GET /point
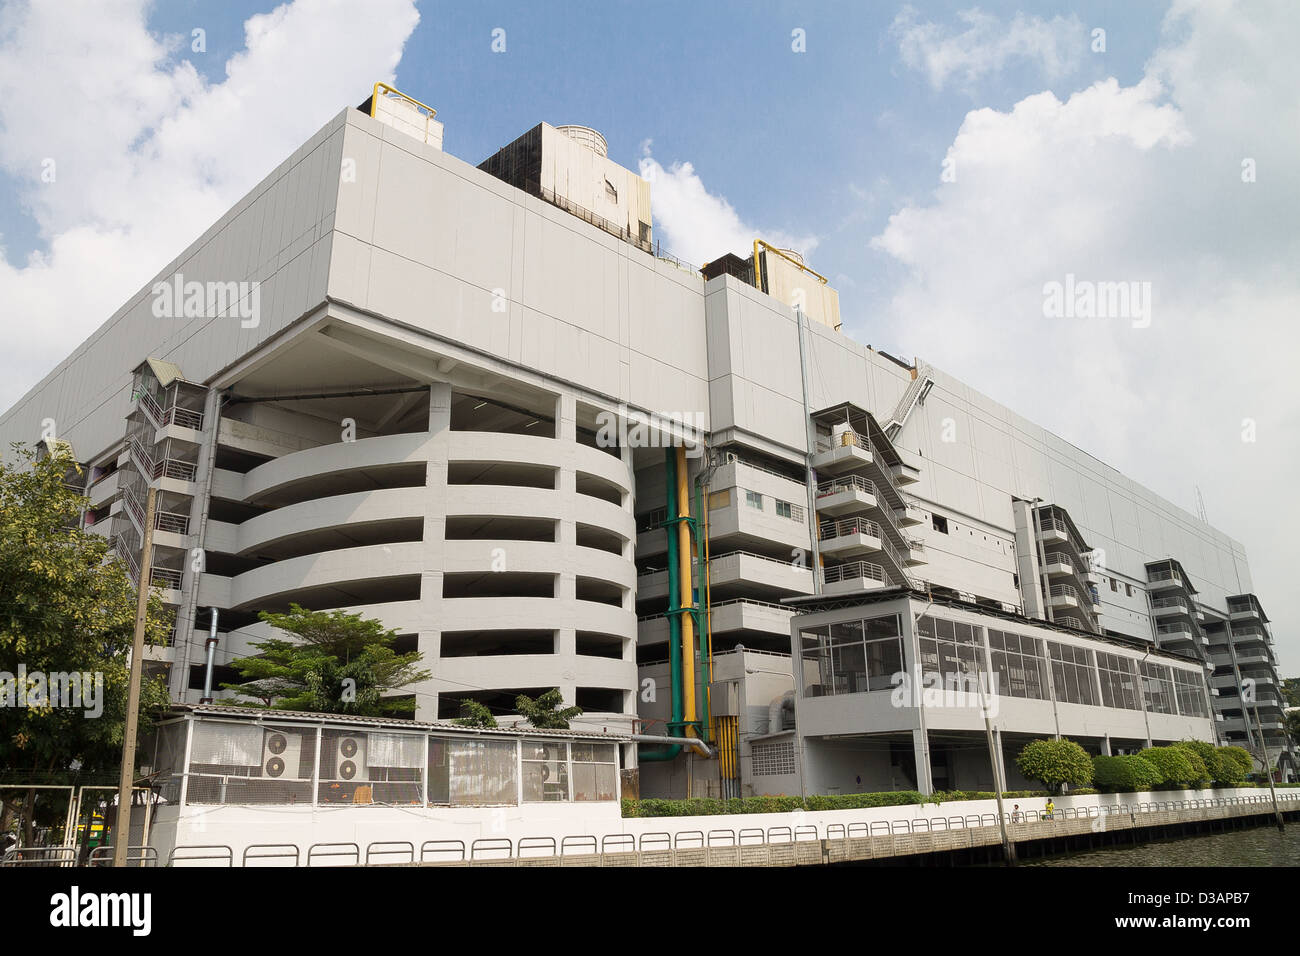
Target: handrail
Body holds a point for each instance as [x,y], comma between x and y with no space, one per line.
[853,569]
[327,850]
[835,485]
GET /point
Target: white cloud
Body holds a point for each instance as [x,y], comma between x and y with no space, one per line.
[987,44]
[147,154]
[699,226]
[1138,183]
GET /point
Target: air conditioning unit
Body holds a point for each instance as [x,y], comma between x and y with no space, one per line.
[280,753]
[351,763]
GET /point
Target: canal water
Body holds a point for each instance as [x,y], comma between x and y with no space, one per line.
[1258,846]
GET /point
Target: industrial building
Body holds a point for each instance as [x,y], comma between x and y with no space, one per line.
[385,381]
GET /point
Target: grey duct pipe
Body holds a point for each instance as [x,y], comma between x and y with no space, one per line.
[211,645]
[694,743]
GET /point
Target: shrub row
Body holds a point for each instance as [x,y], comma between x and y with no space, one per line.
[652,807]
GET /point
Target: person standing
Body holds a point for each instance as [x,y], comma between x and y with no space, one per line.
[1050,809]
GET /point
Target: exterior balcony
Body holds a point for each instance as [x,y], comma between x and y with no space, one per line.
[1053,531]
[1169,634]
[906,474]
[911,515]
[1254,659]
[1224,682]
[1250,636]
[743,614]
[853,576]
[1158,581]
[1170,607]
[1059,564]
[1063,596]
[847,451]
[738,572]
[851,538]
[848,494]
[1244,615]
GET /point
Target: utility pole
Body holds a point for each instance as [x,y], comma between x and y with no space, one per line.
[1268,770]
[122,834]
[999,785]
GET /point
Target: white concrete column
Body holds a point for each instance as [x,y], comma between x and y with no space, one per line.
[921,749]
[429,640]
[566,433]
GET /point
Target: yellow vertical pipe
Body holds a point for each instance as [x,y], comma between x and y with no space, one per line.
[687,597]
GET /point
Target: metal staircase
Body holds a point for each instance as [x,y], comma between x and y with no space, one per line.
[915,395]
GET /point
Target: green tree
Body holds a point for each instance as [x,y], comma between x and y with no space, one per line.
[546,712]
[1127,773]
[341,663]
[64,608]
[1201,756]
[1234,763]
[1291,691]
[1174,765]
[1055,762]
[474,714]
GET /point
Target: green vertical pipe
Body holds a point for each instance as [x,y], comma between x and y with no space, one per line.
[701,612]
[675,728]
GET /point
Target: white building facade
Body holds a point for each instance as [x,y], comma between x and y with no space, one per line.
[398,409]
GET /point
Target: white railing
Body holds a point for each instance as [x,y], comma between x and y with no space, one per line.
[853,570]
[846,526]
[1170,602]
[1063,590]
[847,483]
[1060,557]
[845,439]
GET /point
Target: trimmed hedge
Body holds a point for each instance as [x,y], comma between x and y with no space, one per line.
[706,807]
[652,807]
[1176,769]
[1124,774]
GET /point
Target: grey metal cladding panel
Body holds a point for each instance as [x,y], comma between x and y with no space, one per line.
[89,391]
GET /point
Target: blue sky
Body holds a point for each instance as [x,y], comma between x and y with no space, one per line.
[1122,165]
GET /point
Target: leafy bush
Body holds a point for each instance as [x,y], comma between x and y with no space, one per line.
[1055,762]
[1200,758]
[652,807]
[1124,774]
[1174,766]
[858,801]
[1231,765]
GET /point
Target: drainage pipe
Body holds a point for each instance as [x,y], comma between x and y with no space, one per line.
[674,619]
[212,652]
[695,743]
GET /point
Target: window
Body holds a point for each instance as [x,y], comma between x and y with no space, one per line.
[754,500]
[853,657]
[546,771]
[1158,688]
[1191,697]
[1114,585]
[1119,686]
[1072,674]
[940,523]
[785,509]
[473,772]
[610,192]
[1129,588]
[595,772]
[951,649]
[1019,665]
